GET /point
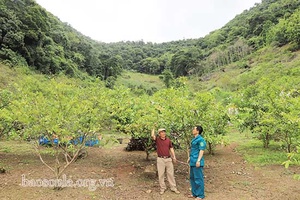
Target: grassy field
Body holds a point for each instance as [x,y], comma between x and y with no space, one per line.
[134,79]
[253,151]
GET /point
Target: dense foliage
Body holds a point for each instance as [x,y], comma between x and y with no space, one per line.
[62,107]
[29,35]
[271,111]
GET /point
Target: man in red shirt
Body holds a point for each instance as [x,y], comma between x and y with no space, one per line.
[165,154]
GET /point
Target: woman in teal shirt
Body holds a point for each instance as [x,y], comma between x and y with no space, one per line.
[196,161]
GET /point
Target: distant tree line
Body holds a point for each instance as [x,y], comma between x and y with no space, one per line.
[29,35]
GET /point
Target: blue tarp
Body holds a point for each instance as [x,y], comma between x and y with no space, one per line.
[89,142]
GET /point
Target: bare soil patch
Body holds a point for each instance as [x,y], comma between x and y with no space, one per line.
[227,176]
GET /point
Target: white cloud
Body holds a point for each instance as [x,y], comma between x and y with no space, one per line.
[150,20]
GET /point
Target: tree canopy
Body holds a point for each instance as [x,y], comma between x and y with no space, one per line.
[30,35]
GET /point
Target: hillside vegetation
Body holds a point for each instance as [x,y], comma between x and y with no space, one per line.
[32,36]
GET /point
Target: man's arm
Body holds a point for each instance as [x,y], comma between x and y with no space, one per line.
[173,154]
[153,134]
[201,152]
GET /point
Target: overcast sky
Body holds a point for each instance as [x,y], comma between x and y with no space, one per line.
[149,20]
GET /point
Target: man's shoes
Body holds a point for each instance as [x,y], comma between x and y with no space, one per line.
[161,192]
[176,191]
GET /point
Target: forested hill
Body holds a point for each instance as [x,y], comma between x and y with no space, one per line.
[29,35]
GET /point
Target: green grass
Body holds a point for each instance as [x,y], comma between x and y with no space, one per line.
[7,76]
[146,81]
[267,62]
[253,151]
[16,147]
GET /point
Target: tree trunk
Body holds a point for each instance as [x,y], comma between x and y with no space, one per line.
[147,155]
[210,148]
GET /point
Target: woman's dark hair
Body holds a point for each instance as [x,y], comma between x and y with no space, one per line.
[200,129]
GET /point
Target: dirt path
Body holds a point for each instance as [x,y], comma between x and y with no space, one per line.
[228,177]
